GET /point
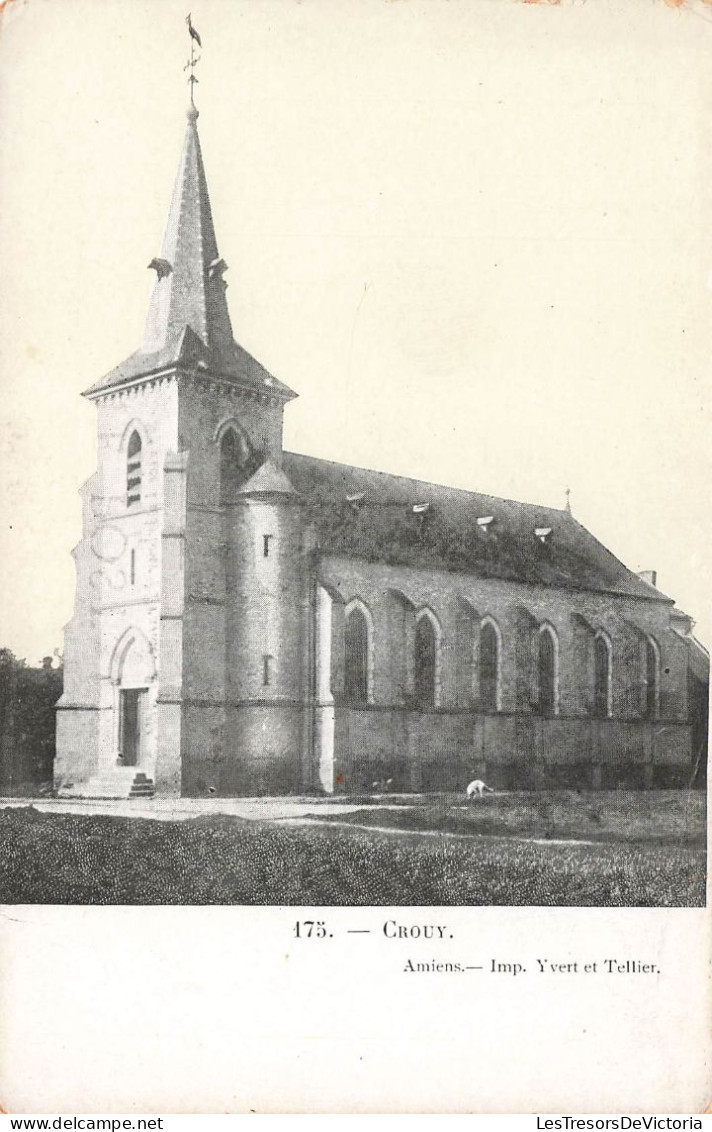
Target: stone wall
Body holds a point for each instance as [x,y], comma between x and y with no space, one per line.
[113,639]
[421,751]
[444,749]
[517,609]
[244,621]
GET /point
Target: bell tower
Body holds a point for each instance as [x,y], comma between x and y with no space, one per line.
[185,424]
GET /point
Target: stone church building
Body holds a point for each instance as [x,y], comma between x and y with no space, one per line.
[253,621]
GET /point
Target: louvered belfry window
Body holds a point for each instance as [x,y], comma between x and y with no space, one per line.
[356,660]
[133,471]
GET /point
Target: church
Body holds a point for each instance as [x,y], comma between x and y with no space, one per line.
[250,621]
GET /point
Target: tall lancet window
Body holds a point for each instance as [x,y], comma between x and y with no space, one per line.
[233,460]
[489,667]
[357,648]
[546,672]
[133,470]
[426,661]
[651,688]
[602,707]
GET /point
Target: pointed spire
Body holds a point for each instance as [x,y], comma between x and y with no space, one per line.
[188,323]
[189,288]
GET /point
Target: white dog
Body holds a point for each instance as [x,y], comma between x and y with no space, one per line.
[477,788]
[383,785]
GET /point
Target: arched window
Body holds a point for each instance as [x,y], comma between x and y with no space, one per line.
[234,464]
[602,707]
[547,672]
[489,666]
[651,689]
[426,661]
[133,470]
[357,659]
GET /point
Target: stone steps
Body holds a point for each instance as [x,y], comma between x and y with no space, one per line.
[119,782]
[142,787]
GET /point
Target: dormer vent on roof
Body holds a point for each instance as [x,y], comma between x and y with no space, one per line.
[422,513]
[649,576]
[543,533]
[355,501]
[484,522]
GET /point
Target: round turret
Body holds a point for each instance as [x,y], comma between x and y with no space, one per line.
[266,621]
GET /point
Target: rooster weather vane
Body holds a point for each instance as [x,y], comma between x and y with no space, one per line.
[194,59]
[161,266]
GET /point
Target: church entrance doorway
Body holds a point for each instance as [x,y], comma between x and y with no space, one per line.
[130,719]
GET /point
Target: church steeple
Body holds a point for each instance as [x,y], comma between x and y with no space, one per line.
[190,289]
[188,324]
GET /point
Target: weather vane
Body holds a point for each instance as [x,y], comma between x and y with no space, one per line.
[194,59]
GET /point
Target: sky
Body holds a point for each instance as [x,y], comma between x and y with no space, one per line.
[474,235]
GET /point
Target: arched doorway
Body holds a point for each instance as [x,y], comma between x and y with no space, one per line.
[134,672]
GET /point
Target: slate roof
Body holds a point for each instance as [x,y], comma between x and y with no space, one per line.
[267,480]
[365,514]
[189,352]
[188,322]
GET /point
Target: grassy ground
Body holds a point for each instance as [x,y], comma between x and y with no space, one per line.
[660,817]
[71,859]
